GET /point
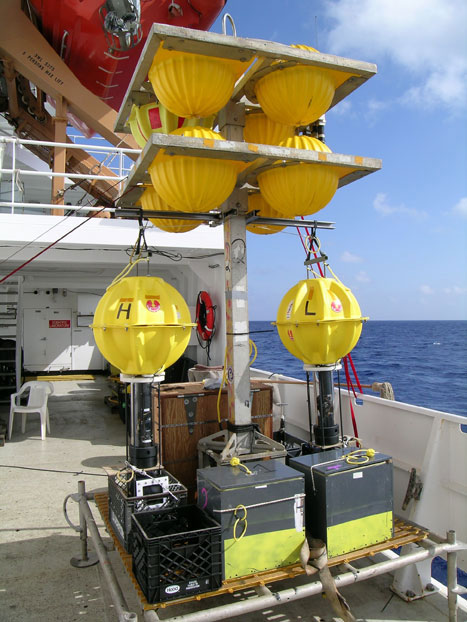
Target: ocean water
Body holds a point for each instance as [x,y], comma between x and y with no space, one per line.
[425,361]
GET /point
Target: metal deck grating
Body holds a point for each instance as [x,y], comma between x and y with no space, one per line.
[404,533]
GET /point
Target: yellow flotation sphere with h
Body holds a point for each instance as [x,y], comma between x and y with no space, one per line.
[150,200]
[319,321]
[194,184]
[297,95]
[193,85]
[300,189]
[142,325]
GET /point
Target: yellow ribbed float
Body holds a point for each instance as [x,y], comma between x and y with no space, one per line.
[319,321]
[257,203]
[259,128]
[192,85]
[297,95]
[194,184]
[142,325]
[150,200]
[151,118]
[300,189]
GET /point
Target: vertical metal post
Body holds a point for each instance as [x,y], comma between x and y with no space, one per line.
[237,337]
[13,175]
[19,334]
[231,122]
[452,578]
[59,160]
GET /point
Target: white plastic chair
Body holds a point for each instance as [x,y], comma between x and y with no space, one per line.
[37,403]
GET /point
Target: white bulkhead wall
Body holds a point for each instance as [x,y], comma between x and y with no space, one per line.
[57,336]
[57,313]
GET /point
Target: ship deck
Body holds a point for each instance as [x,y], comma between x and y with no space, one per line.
[36,543]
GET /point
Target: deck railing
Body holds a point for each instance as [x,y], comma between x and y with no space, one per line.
[13,179]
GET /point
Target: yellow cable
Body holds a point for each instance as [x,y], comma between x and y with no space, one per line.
[360,456]
[240,519]
[124,480]
[220,388]
[236,462]
[255,349]
[126,270]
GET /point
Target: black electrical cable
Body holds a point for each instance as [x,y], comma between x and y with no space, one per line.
[11,466]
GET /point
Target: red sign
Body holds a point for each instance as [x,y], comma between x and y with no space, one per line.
[59,324]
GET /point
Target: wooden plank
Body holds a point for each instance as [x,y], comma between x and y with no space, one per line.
[238,48]
[260,157]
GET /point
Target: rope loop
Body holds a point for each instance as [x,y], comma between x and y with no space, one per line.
[240,519]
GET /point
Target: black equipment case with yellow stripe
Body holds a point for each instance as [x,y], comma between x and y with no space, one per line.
[260,513]
[349,506]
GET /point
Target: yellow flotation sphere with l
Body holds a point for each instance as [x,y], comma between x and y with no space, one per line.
[142,325]
[259,128]
[194,184]
[257,203]
[297,95]
[319,321]
[300,189]
[193,85]
[151,200]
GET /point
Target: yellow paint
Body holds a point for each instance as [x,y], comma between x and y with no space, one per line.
[263,551]
[359,533]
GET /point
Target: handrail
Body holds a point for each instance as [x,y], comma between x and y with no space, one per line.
[13,175]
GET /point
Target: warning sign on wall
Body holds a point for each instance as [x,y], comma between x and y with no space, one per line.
[59,324]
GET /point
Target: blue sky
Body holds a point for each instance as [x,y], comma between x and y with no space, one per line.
[400,239]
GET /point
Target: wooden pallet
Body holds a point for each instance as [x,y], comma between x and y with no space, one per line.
[404,533]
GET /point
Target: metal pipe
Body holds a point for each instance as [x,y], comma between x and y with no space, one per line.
[116,593]
[24,141]
[303,591]
[54,205]
[83,531]
[452,578]
[86,176]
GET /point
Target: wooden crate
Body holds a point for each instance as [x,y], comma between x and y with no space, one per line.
[188,413]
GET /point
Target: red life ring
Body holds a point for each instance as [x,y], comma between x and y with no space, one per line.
[205,316]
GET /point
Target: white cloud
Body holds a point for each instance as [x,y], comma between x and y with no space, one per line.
[460,208]
[426,289]
[350,258]
[382,206]
[343,108]
[424,37]
[455,290]
[362,277]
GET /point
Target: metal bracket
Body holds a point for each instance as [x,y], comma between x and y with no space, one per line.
[414,489]
[191,403]
[221,446]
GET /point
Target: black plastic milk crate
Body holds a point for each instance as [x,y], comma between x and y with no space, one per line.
[122,506]
[176,553]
